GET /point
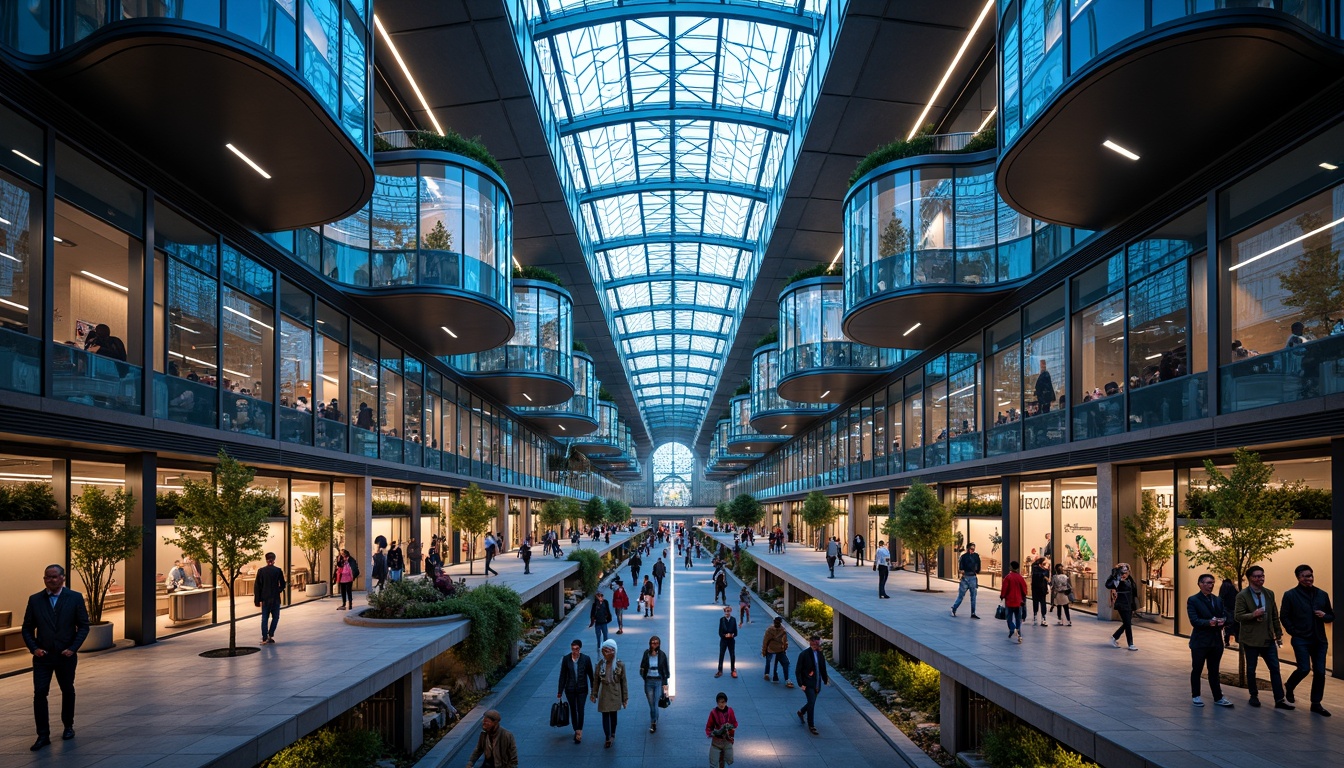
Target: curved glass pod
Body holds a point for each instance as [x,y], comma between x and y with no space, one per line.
[576,416]
[1078,75]
[536,366]
[817,362]
[431,252]
[742,436]
[928,242]
[721,450]
[606,439]
[261,106]
[770,413]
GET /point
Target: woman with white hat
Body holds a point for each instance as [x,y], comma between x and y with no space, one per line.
[610,691]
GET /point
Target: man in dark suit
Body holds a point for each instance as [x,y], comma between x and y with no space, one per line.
[270,585]
[811,674]
[54,626]
[576,677]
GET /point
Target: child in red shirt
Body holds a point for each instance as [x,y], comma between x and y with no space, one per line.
[721,728]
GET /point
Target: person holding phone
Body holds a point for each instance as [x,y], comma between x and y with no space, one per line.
[1207,615]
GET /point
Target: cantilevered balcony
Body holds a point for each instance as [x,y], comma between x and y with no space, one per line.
[266,117]
[1110,104]
[575,417]
[742,436]
[432,251]
[770,413]
[817,362]
[929,243]
[724,457]
[606,440]
[536,366]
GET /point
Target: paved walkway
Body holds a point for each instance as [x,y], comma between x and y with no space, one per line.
[1120,708]
[686,620]
[163,705]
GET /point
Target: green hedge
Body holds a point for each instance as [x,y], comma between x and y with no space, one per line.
[537,273]
[590,568]
[391,507]
[330,748]
[921,145]
[771,337]
[976,508]
[815,611]
[28,501]
[918,683]
[745,568]
[820,270]
[452,141]
[1309,503]
[1017,746]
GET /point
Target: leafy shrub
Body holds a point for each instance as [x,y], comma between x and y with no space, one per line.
[921,145]
[579,346]
[537,273]
[976,508]
[543,610]
[450,141]
[1017,746]
[815,611]
[604,395]
[920,686]
[446,586]
[820,270]
[28,501]
[869,662]
[399,599]
[745,568]
[330,748]
[167,505]
[391,508]
[1309,503]
[496,624]
[266,500]
[590,568]
[771,337]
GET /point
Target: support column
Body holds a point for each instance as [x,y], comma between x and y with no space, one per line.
[410,707]
[141,597]
[359,524]
[839,639]
[789,598]
[415,555]
[950,722]
[502,531]
[1012,519]
[1109,539]
[558,600]
[786,518]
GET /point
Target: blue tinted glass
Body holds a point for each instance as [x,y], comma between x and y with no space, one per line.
[321,45]
[355,82]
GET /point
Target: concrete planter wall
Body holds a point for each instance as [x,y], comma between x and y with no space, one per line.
[359,620]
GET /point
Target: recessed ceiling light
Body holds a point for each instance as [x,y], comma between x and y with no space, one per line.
[405,70]
[450,333]
[912,329]
[25,157]
[105,281]
[919,123]
[1119,150]
[1326,166]
[248,160]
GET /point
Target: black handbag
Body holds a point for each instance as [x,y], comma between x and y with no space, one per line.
[560,714]
[1001,613]
[664,702]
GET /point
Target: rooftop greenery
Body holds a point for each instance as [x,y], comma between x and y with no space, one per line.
[452,141]
[537,273]
[771,337]
[819,270]
[923,144]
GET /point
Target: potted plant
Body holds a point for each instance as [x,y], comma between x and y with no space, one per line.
[101,535]
[314,532]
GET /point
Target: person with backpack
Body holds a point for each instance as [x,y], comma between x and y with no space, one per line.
[491,549]
[396,562]
[775,650]
[656,673]
[599,616]
[721,585]
[620,601]
[660,571]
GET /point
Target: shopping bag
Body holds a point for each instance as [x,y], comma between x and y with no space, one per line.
[664,702]
[1001,613]
[560,714]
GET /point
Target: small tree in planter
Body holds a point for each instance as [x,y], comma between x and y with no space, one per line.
[221,522]
[555,511]
[745,511]
[1149,534]
[594,512]
[474,515]
[314,532]
[818,511]
[101,535]
[924,526]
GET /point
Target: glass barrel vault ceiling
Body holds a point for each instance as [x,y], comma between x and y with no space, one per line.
[674,128]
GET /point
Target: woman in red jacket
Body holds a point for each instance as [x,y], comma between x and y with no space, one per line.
[1014,597]
[620,600]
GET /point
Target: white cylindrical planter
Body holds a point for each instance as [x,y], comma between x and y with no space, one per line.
[317,589]
[99,639]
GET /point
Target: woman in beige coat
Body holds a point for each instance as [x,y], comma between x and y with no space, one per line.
[610,691]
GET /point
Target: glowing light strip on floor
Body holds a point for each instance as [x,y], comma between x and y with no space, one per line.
[672,625]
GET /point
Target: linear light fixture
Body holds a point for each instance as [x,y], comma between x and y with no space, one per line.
[185,328]
[838,254]
[249,318]
[1119,150]
[1326,166]
[104,280]
[824,394]
[196,360]
[450,333]
[25,157]
[1114,320]
[562,427]
[911,329]
[5,221]
[328,379]
[1153,357]
[248,160]
[529,397]
[988,117]
[989,6]
[1294,241]
[11,258]
[16,305]
[405,70]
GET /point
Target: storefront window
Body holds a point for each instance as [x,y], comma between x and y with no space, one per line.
[30,546]
[249,336]
[1043,376]
[177,574]
[1079,538]
[296,382]
[310,569]
[1005,386]
[188,378]
[1099,368]
[20,234]
[1036,511]
[977,518]
[331,360]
